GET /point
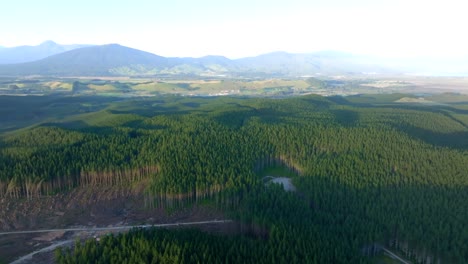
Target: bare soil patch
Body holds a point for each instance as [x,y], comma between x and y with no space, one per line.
[85,207]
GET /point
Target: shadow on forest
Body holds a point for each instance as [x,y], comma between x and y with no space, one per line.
[361,214]
[319,102]
[72,125]
[440,109]
[236,119]
[83,127]
[339,100]
[455,140]
[192,104]
[149,111]
[141,124]
[346,117]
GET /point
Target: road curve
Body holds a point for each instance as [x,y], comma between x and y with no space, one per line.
[395,256]
[92,229]
[29,256]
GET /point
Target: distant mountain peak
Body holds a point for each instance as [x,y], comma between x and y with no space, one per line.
[113,45]
[48,43]
[22,54]
[278,52]
[333,53]
[109,59]
[213,57]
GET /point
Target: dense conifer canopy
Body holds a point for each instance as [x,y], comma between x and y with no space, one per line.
[368,171]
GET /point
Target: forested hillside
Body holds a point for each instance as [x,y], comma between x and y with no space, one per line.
[368,172]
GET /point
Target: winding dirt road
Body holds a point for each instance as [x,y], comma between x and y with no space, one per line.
[93,229]
[27,258]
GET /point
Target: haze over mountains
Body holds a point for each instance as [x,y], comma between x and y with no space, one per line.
[22,54]
[51,59]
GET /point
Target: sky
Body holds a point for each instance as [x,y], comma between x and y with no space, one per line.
[242,28]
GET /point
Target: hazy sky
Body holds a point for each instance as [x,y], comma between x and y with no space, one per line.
[243,27]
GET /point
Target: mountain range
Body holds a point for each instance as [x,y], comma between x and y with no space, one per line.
[116,60]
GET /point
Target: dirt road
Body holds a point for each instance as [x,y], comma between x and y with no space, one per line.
[27,258]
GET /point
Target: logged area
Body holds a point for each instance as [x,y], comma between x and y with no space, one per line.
[362,173]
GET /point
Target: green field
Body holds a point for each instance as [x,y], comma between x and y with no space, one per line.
[419,88]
